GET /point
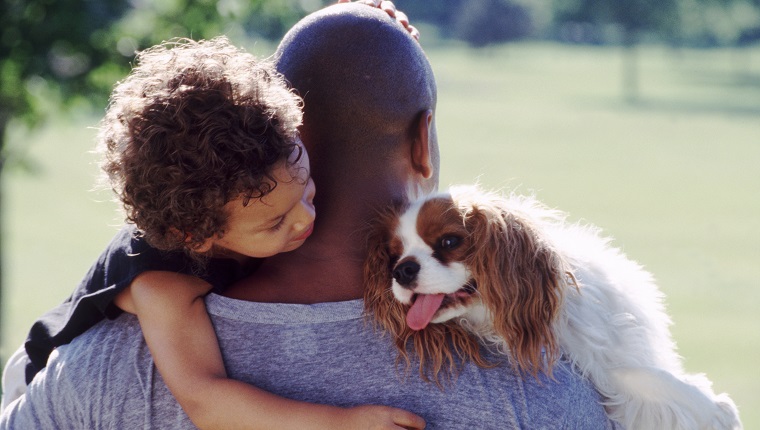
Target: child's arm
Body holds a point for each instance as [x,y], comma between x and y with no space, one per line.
[184,346]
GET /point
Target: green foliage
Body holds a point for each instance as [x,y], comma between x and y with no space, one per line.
[81,47]
[683,22]
[486,22]
[70,50]
[631,15]
[720,22]
[52,41]
[477,22]
[440,13]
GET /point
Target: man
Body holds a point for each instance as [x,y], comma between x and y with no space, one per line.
[296,328]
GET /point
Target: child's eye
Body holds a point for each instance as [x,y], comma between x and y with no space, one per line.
[278,225]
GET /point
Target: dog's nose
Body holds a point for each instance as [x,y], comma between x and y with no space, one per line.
[406,272]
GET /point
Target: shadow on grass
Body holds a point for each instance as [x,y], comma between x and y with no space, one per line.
[674,106]
[739,80]
[690,107]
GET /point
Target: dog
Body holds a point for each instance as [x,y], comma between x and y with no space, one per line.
[533,287]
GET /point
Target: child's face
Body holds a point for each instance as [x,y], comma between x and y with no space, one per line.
[278,222]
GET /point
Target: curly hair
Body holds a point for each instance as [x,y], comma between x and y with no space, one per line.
[194,126]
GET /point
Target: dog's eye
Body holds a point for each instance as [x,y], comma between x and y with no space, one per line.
[450,242]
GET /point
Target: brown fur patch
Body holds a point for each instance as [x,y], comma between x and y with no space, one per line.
[438,219]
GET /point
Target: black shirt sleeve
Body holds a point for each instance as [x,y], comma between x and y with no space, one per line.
[126,256]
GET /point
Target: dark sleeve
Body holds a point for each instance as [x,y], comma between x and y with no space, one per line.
[125,257]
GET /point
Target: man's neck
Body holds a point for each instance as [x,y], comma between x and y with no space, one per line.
[327,268]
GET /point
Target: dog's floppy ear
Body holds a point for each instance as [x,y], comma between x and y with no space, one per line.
[378,297]
[519,277]
[380,306]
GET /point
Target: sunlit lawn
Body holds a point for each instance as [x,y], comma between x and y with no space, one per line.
[674,178]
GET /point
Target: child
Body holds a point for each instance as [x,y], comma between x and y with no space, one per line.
[201,148]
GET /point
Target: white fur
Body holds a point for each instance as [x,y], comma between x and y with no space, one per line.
[613,328]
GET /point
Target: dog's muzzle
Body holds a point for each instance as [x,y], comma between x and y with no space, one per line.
[405,273]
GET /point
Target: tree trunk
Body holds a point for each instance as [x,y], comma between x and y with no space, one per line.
[3,127]
[630,66]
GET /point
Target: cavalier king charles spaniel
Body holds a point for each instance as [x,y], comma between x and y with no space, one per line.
[534,288]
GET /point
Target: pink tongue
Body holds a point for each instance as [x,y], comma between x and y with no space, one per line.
[422,310]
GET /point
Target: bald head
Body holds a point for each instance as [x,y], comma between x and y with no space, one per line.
[365,82]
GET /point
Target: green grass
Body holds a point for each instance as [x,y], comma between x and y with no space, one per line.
[674,178]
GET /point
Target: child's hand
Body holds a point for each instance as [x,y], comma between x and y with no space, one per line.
[380,417]
[390,9]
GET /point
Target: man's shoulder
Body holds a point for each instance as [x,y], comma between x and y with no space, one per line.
[101,379]
[331,349]
[561,400]
[120,333]
[109,350]
[570,399]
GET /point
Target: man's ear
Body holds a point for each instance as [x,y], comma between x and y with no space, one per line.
[422,160]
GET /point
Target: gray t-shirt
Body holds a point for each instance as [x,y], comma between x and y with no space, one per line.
[322,353]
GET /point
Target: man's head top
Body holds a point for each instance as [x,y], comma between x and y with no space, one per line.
[367,87]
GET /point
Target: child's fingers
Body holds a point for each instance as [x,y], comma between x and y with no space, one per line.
[373,3]
[389,8]
[407,420]
[414,32]
[402,18]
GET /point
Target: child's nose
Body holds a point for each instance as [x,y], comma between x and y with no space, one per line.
[308,213]
[308,196]
[310,191]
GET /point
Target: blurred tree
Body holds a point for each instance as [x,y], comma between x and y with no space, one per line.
[47,49]
[54,53]
[485,22]
[719,22]
[477,22]
[440,13]
[632,17]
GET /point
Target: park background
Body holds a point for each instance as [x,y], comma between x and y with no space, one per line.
[642,117]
